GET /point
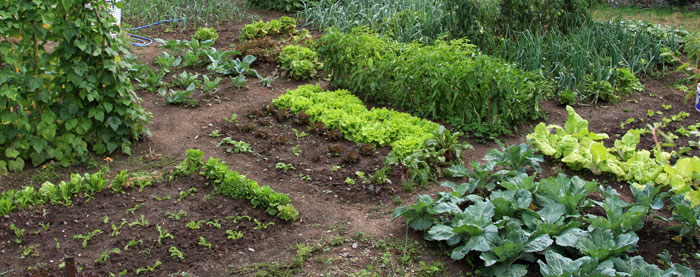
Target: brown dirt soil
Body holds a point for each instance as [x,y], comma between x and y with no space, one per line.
[347,229]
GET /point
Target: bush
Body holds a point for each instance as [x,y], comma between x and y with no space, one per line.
[204,34]
[301,62]
[450,81]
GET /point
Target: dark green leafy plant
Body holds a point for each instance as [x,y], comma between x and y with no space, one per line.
[451,81]
[60,104]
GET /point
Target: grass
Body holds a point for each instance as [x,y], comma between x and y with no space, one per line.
[195,13]
[675,17]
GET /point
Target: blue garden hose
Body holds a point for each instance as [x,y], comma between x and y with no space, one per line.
[144,41]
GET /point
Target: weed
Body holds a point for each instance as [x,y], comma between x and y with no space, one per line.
[143,222]
[184,194]
[163,198]
[135,208]
[174,252]
[203,242]
[148,268]
[163,234]
[232,120]
[215,223]
[105,255]
[45,226]
[296,150]
[285,166]
[304,177]
[176,216]
[19,232]
[194,225]
[29,251]
[87,237]
[115,228]
[133,243]
[234,235]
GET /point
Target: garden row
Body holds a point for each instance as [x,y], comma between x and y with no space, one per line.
[509,220]
[226,182]
[448,81]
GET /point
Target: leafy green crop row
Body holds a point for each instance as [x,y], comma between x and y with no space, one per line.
[340,109]
[227,182]
[234,185]
[579,148]
[523,221]
[58,105]
[450,81]
[285,25]
[282,5]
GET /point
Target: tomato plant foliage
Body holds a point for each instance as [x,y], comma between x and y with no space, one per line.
[63,88]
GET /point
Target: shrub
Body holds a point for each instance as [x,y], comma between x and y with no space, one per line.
[204,34]
[450,81]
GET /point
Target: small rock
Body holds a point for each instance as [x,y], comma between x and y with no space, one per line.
[354,245]
[251,249]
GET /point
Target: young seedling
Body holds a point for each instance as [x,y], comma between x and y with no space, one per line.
[143,222]
[304,177]
[58,244]
[87,237]
[186,193]
[238,81]
[214,224]
[233,119]
[203,242]
[135,208]
[177,215]
[234,235]
[194,225]
[105,219]
[240,147]
[260,225]
[116,229]
[174,252]
[335,168]
[105,256]
[163,198]
[133,243]
[299,135]
[149,268]
[266,82]
[29,251]
[238,218]
[45,226]
[163,234]
[19,232]
[296,150]
[285,166]
[215,134]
